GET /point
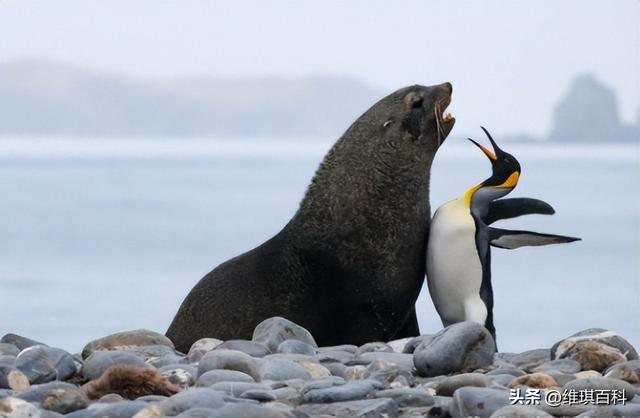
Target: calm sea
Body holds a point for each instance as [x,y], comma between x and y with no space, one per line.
[104,235]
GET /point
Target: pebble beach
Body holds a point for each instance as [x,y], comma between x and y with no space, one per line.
[281,372]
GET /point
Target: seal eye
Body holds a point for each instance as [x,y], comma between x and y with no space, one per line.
[417,104]
[387,123]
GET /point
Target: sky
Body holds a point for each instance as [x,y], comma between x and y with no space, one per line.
[510,61]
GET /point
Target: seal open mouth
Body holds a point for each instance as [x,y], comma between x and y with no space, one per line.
[444,121]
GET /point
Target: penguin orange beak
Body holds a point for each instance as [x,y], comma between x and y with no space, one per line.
[487,152]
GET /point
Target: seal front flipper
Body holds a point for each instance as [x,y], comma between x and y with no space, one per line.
[510,239]
[514,207]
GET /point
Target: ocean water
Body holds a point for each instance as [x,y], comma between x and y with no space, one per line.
[104,235]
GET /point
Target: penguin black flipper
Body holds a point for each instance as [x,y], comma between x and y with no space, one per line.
[510,240]
[514,207]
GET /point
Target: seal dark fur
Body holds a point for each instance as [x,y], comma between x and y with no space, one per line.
[350,264]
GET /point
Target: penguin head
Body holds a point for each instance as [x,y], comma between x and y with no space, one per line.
[505,171]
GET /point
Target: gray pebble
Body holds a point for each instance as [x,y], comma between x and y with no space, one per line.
[611,338]
[459,347]
[449,385]
[357,389]
[237,388]
[282,369]
[201,347]
[180,374]
[229,360]
[126,339]
[259,395]
[38,392]
[8,349]
[402,360]
[12,378]
[407,397]
[531,358]
[252,348]
[336,369]
[611,411]
[602,383]
[65,400]
[515,372]
[374,347]
[349,348]
[367,408]
[412,344]
[271,332]
[197,413]
[562,366]
[122,409]
[336,356]
[99,361]
[41,363]
[245,410]
[500,379]
[325,382]
[477,402]
[7,360]
[624,371]
[296,347]
[220,375]
[520,411]
[191,398]
[19,341]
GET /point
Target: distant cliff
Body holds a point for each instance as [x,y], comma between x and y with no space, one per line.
[589,113]
[40,97]
[46,98]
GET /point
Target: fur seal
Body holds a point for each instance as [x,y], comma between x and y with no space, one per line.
[350,264]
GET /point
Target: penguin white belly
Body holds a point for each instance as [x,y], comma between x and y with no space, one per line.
[454,270]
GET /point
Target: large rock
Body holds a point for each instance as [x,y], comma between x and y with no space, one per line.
[368,408]
[41,363]
[126,339]
[229,360]
[566,347]
[459,347]
[271,332]
[477,402]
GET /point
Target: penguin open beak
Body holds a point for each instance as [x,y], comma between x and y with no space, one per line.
[487,152]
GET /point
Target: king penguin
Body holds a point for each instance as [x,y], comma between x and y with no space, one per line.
[458,251]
